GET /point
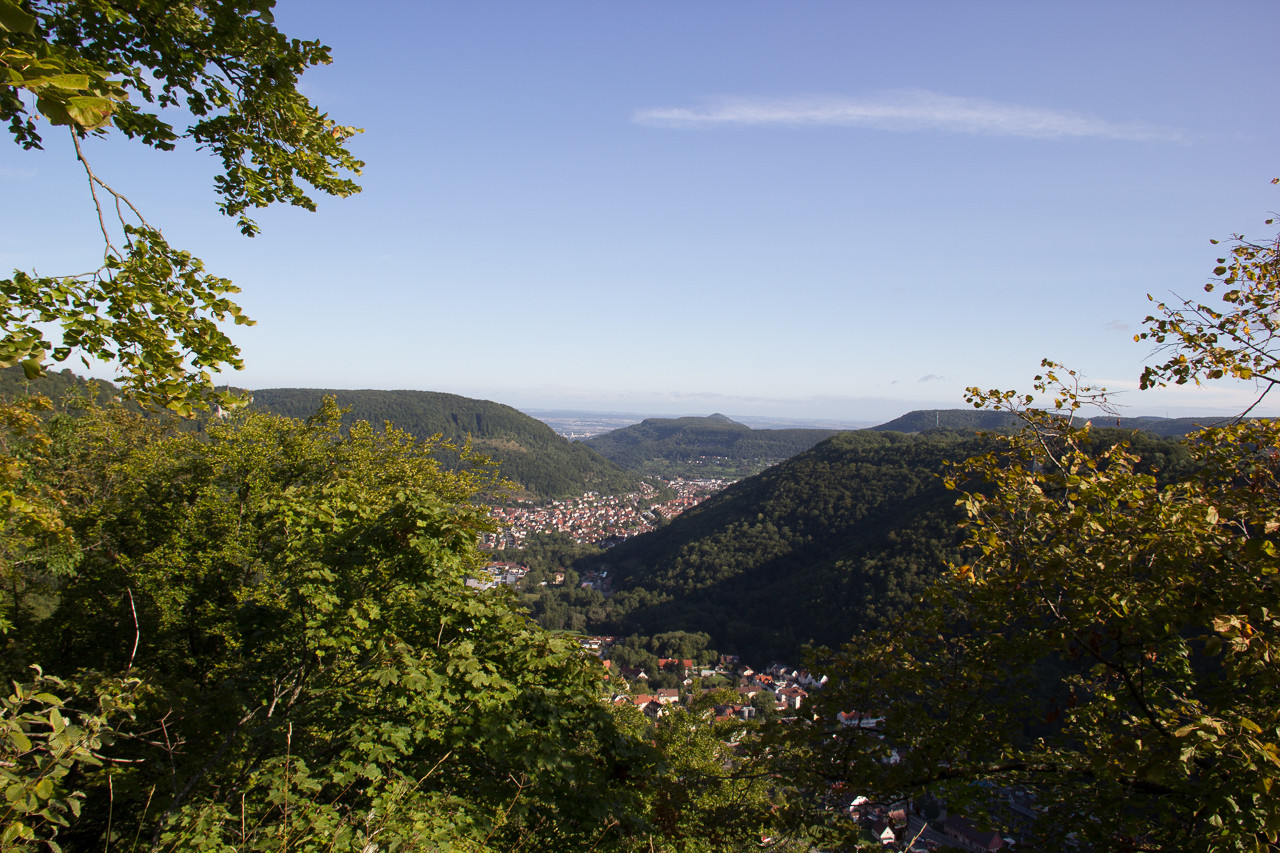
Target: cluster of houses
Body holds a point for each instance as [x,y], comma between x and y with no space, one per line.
[915,827]
[497,574]
[596,518]
[925,824]
[900,828]
[511,574]
[786,688]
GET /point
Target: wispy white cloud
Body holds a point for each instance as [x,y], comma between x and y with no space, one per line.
[904,110]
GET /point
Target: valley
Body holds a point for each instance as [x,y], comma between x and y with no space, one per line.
[717,608]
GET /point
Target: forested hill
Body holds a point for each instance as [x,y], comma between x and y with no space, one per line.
[528,450]
[815,548]
[923,420]
[55,384]
[809,550]
[666,441]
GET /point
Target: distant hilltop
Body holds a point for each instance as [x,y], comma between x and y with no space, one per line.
[924,420]
[668,441]
[580,424]
[547,465]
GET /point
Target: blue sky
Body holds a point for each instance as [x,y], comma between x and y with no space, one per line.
[803,209]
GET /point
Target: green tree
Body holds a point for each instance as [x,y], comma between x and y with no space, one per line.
[291,599]
[43,742]
[766,706]
[712,785]
[1109,645]
[96,65]
[93,65]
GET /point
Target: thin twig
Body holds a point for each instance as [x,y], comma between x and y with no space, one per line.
[111,810]
[119,198]
[93,191]
[137,631]
[435,767]
[142,820]
[1240,417]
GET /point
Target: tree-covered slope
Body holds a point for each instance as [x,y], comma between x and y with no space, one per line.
[813,549]
[1168,427]
[528,451]
[923,420]
[675,440]
[809,550]
[55,384]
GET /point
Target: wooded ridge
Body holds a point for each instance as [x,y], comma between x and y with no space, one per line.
[528,451]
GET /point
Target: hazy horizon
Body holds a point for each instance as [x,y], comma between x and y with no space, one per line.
[828,209]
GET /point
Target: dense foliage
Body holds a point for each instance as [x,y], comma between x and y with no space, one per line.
[530,453]
[267,640]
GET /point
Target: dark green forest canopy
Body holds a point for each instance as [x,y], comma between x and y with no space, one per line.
[527,450]
[809,550]
[832,541]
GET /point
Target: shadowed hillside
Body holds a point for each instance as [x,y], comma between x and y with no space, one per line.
[814,549]
[809,550]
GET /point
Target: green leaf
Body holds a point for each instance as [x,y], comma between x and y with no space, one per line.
[33,368]
[69,82]
[14,19]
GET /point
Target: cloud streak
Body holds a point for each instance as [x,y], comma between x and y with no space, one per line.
[904,110]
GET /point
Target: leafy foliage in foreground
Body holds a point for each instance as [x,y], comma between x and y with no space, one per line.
[304,631]
[276,618]
[1109,645]
[88,65]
